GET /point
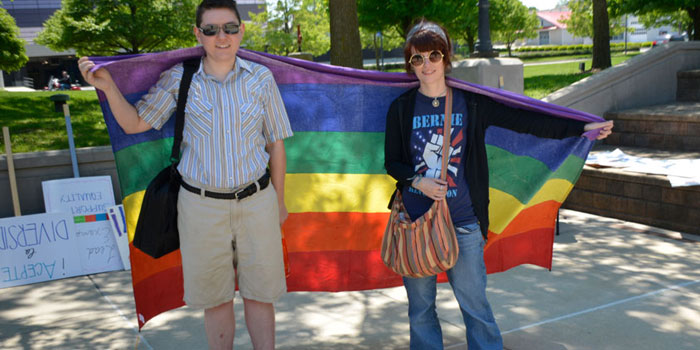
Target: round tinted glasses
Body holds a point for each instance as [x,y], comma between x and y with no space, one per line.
[434,56]
[213,29]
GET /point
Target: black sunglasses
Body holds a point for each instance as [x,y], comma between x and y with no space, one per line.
[418,60]
[213,29]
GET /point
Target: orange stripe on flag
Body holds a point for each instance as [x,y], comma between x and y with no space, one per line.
[306,232]
[535,217]
[149,266]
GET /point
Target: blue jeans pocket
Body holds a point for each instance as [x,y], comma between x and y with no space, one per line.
[469,229]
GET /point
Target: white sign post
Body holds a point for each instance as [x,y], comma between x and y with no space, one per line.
[87,199]
[38,248]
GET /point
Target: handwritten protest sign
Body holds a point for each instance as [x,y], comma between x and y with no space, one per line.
[86,199]
[38,248]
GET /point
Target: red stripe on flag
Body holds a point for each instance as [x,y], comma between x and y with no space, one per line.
[532,247]
[158,293]
[336,271]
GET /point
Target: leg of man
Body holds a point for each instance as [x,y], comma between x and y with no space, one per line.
[220,326]
[207,263]
[425,325]
[468,281]
[260,319]
[261,278]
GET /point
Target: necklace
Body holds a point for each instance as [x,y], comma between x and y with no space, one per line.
[435,102]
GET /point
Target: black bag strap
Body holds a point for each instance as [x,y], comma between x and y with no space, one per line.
[447,134]
[191,65]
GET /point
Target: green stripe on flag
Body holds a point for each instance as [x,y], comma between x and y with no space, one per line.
[140,163]
[506,172]
[335,152]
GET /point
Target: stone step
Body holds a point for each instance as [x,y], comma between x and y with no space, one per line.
[644,198]
[673,126]
[688,89]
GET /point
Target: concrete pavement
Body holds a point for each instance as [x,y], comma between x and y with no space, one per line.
[614,285]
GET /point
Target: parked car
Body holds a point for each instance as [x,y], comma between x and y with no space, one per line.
[665,38]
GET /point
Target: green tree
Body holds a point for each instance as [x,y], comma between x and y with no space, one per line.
[464,23]
[113,27]
[12,53]
[275,30]
[315,23]
[459,17]
[580,23]
[388,41]
[512,21]
[677,19]
[381,15]
[690,7]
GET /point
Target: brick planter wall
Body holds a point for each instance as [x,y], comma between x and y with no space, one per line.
[646,199]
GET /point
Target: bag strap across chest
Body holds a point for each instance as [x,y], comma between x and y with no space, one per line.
[446,134]
[190,66]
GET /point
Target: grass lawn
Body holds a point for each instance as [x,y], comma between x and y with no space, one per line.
[542,80]
[34,126]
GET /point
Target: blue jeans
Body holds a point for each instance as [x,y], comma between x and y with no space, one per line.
[468,281]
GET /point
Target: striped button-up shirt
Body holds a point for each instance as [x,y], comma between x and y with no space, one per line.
[227,124]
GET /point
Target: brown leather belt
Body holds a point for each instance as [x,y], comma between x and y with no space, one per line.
[248,191]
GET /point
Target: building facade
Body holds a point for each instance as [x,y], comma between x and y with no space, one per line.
[553,31]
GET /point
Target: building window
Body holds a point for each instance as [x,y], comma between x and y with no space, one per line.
[640,31]
[618,37]
[544,38]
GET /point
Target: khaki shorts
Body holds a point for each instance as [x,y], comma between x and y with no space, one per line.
[215,233]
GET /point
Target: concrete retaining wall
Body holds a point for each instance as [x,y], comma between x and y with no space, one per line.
[645,80]
[33,168]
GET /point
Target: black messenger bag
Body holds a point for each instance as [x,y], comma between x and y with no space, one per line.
[156,230]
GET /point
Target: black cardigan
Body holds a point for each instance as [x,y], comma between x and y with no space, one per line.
[483,112]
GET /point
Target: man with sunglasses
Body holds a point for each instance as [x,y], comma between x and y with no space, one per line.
[228,217]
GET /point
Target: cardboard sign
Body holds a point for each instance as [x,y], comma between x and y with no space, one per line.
[86,199]
[38,248]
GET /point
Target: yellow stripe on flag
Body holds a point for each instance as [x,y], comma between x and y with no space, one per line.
[504,207]
[132,208]
[323,193]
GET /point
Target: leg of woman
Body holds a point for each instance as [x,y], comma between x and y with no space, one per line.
[468,280]
[425,327]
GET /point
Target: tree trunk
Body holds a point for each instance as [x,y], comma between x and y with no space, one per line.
[694,14]
[601,35]
[470,39]
[346,48]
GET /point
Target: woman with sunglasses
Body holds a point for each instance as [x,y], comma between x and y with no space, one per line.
[413,146]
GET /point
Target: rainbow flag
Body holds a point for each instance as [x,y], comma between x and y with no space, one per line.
[337,190]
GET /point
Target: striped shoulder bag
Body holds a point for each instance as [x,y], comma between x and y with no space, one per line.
[428,245]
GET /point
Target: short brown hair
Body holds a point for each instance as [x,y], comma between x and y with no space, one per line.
[428,40]
[216,4]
